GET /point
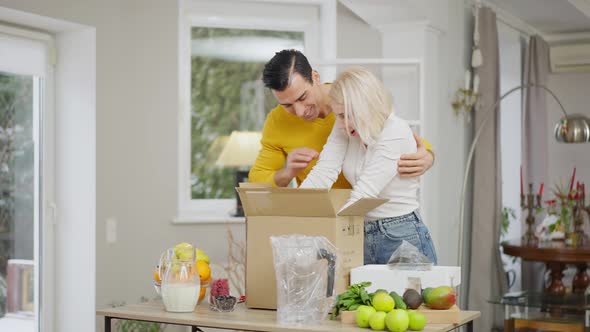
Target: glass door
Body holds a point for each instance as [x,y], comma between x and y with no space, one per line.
[22,99]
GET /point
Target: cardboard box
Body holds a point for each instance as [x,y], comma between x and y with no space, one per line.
[313,212]
[382,276]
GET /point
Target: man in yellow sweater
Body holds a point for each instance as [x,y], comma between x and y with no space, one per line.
[296,130]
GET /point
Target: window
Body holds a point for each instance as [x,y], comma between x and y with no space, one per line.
[24,84]
[227,95]
[222,54]
[511,55]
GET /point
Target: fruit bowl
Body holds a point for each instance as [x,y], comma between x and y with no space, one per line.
[223,303]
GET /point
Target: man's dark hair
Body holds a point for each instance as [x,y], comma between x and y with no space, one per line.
[278,70]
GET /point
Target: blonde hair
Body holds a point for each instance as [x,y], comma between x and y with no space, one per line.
[365,101]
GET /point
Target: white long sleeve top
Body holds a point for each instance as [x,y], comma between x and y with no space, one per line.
[371,170]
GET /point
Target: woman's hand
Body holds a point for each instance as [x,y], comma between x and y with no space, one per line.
[415,164]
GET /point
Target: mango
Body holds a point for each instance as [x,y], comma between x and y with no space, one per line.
[442,297]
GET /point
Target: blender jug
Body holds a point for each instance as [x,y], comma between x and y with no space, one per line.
[305,268]
[181,284]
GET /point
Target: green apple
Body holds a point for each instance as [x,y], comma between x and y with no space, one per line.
[383,302]
[363,314]
[174,267]
[377,321]
[417,321]
[397,321]
[183,251]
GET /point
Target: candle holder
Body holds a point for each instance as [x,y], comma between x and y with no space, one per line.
[578,237]
[464,100]
[530,202]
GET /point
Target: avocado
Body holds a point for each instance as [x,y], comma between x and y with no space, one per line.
[412,298]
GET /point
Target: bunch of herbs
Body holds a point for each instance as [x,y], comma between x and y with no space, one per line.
[354,296]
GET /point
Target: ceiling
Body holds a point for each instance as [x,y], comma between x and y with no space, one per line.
[383,12]
[545,17]
[550,16]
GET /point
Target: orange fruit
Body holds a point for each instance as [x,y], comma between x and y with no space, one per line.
[206,281]
[157,276]
[202,294]
[204,270]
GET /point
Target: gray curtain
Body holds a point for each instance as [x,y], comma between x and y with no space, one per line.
[486,276]
[534,138]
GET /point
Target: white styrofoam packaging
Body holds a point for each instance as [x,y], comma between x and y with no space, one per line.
[384,277]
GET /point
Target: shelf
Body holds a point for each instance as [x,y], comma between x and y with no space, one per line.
[548,318]
[544,301]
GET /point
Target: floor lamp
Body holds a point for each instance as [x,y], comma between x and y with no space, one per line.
[240,152]
[573,128]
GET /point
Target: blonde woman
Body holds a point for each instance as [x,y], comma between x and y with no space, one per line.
[366,141]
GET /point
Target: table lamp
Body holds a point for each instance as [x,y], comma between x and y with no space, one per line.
[240,152]
[572,128]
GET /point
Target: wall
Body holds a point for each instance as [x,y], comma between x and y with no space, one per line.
[450,133]
[356,39]
[445,53]
[572,91]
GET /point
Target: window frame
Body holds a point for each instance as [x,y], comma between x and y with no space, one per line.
[218,210]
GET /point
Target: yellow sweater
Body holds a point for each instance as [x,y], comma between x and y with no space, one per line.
[282,133]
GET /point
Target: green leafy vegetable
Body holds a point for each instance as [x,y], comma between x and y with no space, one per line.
[354,296]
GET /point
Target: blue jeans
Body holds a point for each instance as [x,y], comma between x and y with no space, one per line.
[384,236]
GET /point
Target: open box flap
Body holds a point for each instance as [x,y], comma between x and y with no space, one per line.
[287,202]
[362,206]
[339,197]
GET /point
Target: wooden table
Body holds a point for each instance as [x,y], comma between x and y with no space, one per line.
[555,254]
[243,319]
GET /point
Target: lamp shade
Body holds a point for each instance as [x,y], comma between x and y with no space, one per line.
[574,128]
[240,150]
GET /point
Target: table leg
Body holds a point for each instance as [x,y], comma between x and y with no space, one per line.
[196,329]
[470,326]
[107,324]
[581,280]
[556,287]
[508,321]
